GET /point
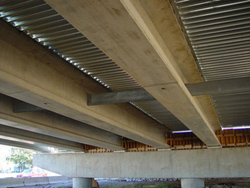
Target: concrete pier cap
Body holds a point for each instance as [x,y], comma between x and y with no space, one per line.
[187,164]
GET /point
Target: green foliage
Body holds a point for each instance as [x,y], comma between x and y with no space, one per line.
[21,157]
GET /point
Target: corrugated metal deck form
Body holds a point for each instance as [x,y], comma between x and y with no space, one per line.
[46,26]
[219,33]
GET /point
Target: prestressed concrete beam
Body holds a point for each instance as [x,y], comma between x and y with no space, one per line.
[39,138]
[217,87]
[201,163]
[28,73]
[124,31]
[54,125]
[24,145]
[119,97]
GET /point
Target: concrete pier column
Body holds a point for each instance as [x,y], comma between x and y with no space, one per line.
[192,183]
[82,182]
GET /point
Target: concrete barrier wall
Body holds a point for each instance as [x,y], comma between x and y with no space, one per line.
[12,182]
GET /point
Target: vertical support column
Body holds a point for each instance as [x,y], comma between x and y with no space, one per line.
[82,182]
[192,183]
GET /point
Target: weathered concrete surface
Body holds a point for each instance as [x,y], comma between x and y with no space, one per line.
[192,183]
[45,140]
[82,182]
[163,18]
[208,163]
[12,182]
[124,31]
[33,146]
[27,74]
[57,126]
[119,97]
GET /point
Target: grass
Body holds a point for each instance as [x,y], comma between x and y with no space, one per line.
[158,186]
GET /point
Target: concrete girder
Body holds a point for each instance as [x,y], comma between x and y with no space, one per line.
[51,124]
[28,73]
[36,147]
[39,138]
[200,163]
[124,31]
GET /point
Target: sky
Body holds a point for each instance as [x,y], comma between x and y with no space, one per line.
[4,150]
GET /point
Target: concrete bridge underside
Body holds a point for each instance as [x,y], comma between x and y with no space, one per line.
[36,76]
[62,106]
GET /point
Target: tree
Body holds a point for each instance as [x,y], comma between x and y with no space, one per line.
[21,157]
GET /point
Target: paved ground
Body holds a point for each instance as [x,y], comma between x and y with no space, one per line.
[210,183]
[67,184]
